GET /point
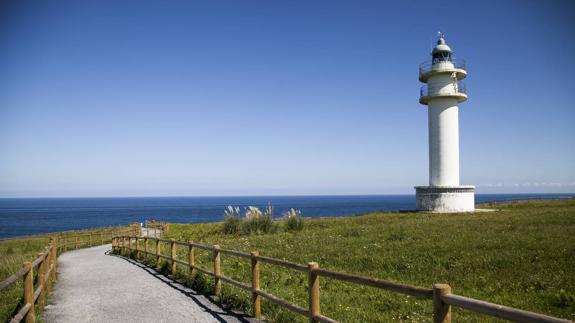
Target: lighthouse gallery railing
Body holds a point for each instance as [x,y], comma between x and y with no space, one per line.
[453,88]
[428,65]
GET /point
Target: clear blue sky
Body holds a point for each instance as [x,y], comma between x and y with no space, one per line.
[145,98]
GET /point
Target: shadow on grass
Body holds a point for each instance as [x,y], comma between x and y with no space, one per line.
[207,303]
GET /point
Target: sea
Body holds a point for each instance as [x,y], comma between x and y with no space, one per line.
[29,216]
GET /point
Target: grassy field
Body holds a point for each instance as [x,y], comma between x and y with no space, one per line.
[15,252]
[521,256]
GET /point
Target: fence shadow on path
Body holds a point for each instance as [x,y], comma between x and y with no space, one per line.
[206,303]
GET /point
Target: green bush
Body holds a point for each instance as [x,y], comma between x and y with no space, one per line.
[232,225]
[232,221]
[260,224]
[254,221]
[294,221]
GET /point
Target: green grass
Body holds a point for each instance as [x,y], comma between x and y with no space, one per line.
[15,252]
[521,256]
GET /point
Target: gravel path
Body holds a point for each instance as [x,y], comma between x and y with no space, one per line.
[94,286]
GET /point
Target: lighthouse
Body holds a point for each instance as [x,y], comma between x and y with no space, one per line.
[442,94]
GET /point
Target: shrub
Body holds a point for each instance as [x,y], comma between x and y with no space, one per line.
[258,222]
[232,225]
[254,221]
[232,221]
[293,222]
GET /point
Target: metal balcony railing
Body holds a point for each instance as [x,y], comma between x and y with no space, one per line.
[455,89]
[429,65]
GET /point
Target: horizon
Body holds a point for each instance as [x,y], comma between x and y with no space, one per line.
[557,194]
[143,99]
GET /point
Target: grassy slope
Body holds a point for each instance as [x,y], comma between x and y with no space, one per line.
[522,256]
[13,253]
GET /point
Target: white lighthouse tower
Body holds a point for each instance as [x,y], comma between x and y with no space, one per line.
[442,94]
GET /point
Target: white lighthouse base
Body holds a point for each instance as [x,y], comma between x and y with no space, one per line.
[445,198]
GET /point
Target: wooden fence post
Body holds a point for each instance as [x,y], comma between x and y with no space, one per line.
[41,277]
[130,245]
[51,264]
[158,254]
[49,267]
[29,292]
[137,247]
[217,273]
[89,239]
[146,246]
[173,256]
[55,259]
[313,281]
[77,245]
[256,299]
[192,257]
[101,237]
[441,311]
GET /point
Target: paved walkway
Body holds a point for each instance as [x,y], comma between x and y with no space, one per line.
[94,286]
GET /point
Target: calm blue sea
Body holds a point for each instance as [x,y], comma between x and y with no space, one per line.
[26,216]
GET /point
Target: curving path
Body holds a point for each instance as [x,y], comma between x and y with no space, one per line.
[94,286]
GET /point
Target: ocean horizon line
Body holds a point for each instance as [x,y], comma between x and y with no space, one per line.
[259,195]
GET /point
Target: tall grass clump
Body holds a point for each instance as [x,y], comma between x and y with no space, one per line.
[232,220]
[258,222]
[293,220]
[253,221]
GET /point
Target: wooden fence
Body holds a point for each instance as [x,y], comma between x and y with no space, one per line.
[440,294]
[162,226]
[70,241]
[46,263]
[36,287]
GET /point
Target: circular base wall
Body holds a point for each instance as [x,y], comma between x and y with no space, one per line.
[445,198]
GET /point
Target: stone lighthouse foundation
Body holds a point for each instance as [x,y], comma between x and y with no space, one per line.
[445,198]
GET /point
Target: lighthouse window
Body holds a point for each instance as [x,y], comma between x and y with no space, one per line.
[441,57]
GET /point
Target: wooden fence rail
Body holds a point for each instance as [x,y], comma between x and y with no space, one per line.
[44,266]
[69,241]
[440,294]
